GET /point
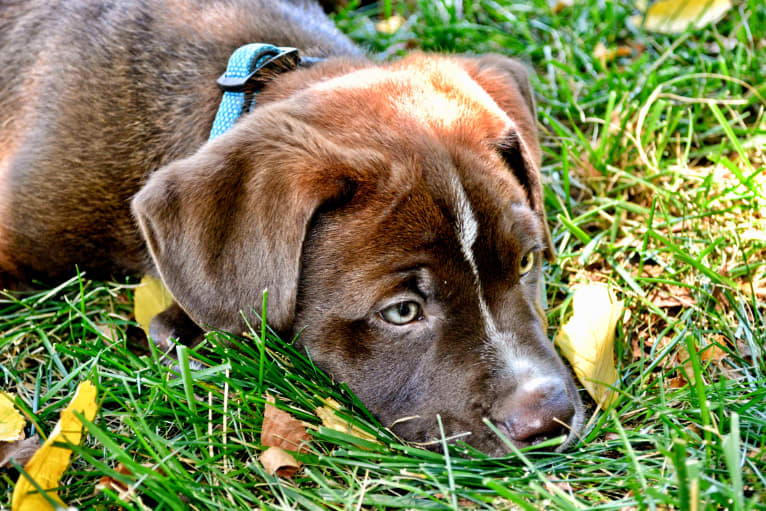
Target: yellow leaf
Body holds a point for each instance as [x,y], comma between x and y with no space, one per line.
[587,340]
[11,421]
[389,25]
[151,298]
[331,420]
[49,463]
[559,5]
[674,16]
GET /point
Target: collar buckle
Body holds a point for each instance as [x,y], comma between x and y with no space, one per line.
[277,59]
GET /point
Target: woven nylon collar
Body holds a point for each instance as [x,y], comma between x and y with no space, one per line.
[244,78]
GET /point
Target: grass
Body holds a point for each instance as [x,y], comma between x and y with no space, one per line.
[656,183]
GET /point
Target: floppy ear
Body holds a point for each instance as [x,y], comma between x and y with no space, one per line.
[229,222]
[507,82]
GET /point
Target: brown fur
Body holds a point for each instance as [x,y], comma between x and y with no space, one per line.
[351,187]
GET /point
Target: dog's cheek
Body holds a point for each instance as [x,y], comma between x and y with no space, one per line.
[378,367]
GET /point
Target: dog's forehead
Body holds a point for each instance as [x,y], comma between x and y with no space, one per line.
[421,212]
[421,93]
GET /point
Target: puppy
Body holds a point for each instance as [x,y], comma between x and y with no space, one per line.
[393,211]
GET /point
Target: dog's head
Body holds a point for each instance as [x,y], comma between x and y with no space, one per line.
[395,215]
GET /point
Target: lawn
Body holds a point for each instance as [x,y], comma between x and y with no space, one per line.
[655,177]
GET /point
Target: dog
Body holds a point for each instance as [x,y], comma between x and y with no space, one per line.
[394,211]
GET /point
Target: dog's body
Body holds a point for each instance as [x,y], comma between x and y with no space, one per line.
[393,211]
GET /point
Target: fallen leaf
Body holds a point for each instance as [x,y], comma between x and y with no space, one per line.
[20,451]
[278,461]
[587,340]
[677,382]
[389,25]
[280,429]
[606,55]
[331,420]
[11,421]
[559,5]
[124,492]
[713,353]
[602,54]
[667,296]
[684,364]
[674,17]
[50,461]
[151,298]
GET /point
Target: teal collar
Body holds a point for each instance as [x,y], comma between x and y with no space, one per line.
[243,79]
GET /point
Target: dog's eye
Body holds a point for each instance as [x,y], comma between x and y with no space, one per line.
[401,313]
[526,263]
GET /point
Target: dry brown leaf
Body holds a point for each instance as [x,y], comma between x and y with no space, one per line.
[50,461]
[280,429]
[673,17]
[124,492]
[151,298]
[684,364]
[11,421]
[668,296]
[677,382]
[587,340]
[20,451]
[331,420]
[278,461]
[713,353]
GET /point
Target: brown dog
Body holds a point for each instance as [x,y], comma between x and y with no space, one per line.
[393,211]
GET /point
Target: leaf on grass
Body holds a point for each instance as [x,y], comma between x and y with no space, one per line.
[20,451]
[587,340]
[11,421]
[124,492]
[278,461]
[331,420]
[151,298]
[606,55]
[559,5]
[281,431]
[389,25]
[667,296]
[673,17]
[49,463]
[711,354]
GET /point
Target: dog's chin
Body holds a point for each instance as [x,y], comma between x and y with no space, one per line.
[427,435]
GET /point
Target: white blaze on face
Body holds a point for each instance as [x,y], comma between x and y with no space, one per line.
[504,347]
[467,230]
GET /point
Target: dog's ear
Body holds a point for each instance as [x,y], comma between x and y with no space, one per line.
[507,82]
[229,222]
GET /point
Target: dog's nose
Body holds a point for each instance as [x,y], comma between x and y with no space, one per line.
[539,410]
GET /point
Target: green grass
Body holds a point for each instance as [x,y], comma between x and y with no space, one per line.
[656,183]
